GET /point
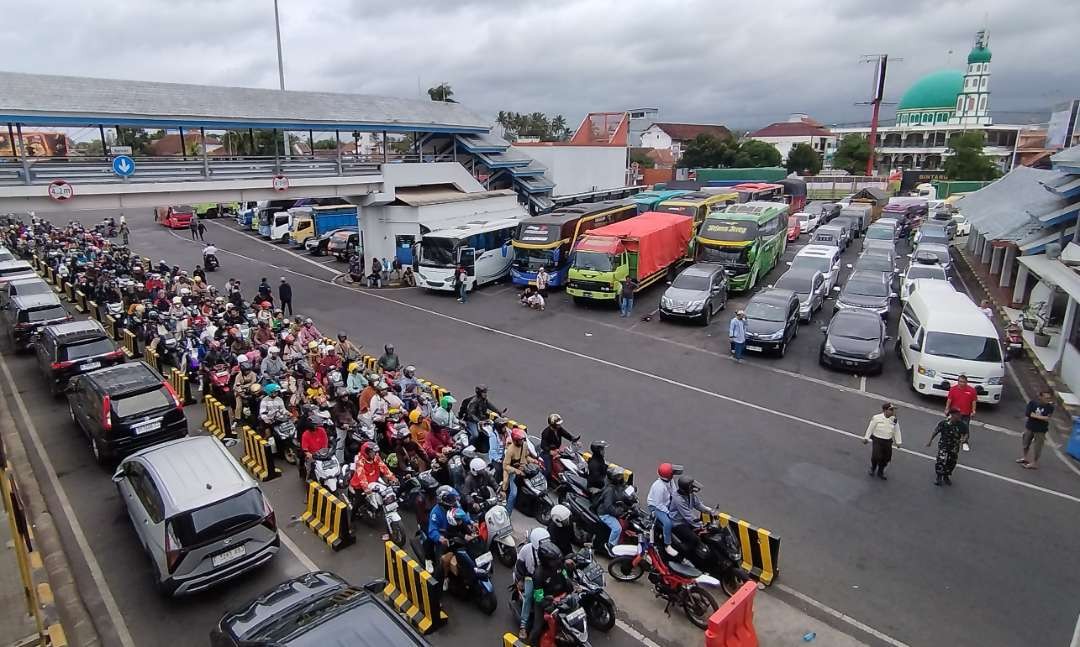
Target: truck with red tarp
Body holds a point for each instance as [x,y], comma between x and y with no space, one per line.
[648,247]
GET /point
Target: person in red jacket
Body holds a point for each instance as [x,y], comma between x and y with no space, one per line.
[436,441]
[312,440]
[369,468]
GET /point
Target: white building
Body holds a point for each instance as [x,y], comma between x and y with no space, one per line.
[674,137]
[798,129]
[579,169]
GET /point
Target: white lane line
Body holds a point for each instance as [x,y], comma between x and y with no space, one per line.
[68,511]
[840,615]
[862,383]
[635,634]
[297,552]
[1076,634]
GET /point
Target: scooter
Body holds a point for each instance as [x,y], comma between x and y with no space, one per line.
[473,581]
[1014,340]
[283,439]
[326,470]
[566,618]
[532,497]
[717,554]
[220,378]
[496,529]
[210,262]
[588,578]
[380,501]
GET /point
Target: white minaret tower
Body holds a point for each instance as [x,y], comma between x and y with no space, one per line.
[973,102]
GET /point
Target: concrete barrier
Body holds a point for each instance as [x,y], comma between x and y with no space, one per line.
[217,417]
[436,391]
[760,548]
[179,381]
[130,343]
[111,327]
[80,301]
[258,459]
[69,291]
[511,640]
[413,591]
[732,625]
[151,357]
[92,307]
[627,474]
[328,516]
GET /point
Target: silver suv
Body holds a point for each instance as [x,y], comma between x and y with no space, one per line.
[199,516]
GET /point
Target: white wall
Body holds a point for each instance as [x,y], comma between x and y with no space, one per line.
[655,138]
[785,144]
[1070,366]
[578,169]
[423,174]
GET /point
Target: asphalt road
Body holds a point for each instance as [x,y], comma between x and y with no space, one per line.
[772,441]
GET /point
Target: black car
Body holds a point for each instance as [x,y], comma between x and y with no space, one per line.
[125,408]
[26,315]
[68,349]
[318,608]
[851,223]
[24,288]
[343,243]
[854,341]
[866,290]
[830,210]
[321,245]
[772,320]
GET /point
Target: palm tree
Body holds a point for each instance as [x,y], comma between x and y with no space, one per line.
[442,92]
[559,129]
[356,142]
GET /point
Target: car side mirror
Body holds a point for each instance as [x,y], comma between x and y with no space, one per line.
[913,346]
[836,288]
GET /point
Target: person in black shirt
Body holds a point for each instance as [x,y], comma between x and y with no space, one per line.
[285,296]
[1036,424]
[551,441]
[949,431]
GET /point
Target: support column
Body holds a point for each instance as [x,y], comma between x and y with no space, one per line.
[1007,267]
[205,161]
[454,139]
[183,144]
[1021,284]
[1066,326]
[104,144]
[973,236]
[980,240]
[22,154]
[997,255]
[987,252]
[337,140]
[385,148]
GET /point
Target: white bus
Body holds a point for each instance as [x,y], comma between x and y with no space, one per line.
[481,247]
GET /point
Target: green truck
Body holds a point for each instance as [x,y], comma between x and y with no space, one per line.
[215,209]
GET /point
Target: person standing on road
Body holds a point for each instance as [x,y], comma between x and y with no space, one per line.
[542,278]
[194,226]
[386,271]
[461,280]
[626,296]
[963,397]
[125,233]
[285,296]
[201,229]
[987,309]
[884,432]
[949,432]
[1036,424]
[737,334]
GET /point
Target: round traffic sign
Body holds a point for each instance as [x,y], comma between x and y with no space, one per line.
[280,183]
[61,191]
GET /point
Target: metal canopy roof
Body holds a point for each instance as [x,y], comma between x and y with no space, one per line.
[68,100]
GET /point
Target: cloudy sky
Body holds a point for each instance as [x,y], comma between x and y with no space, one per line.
[739,62]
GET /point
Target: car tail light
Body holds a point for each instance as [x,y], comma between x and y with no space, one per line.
[172,393]
[106,413]
[57,366]
[174,552]
[116,354]
[23,326]
[269,518]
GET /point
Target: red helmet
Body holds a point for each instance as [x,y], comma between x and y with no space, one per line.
[517,434]
[367,450]
[665,471]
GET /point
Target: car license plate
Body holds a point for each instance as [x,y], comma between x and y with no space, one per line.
[149,425]
[91,365]
[228,556]
[587,294]
[678,310]
[756,349]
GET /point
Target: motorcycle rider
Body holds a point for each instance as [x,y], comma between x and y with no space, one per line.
[355,382]
[272,408]
[368,469]
[312,441]
[551,441]
[272,368]
[597,465]
[659,501]
[516,456]
[448,502]
[549,580]
[244,379]
[479,408]
[419,427]
[443,416]
[612,504]
[524,569]
[560,528]
[308,333]
[389,362]
[479,477]
[407,386]
[382,402]
[346,349]
[209,252]
[686,509]
[437,441]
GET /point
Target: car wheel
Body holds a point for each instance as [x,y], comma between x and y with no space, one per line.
[95,451]
[706,318]
[783,349]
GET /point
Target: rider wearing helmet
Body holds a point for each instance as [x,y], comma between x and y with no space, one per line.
[549,579]
[369,468]
[443,415]
[562,531]
[659,501]
[419,426]
[479,408]
[686,509]
[245,377]
[611,504]
[447,500]
[389,362]
[355,381]
[478,478]
[425,499]
[407,386]
[272,408]
[516,457]
[346,349]
[597,464]
[551,441]
[524,568]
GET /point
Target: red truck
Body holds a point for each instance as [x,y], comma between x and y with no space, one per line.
[175,217]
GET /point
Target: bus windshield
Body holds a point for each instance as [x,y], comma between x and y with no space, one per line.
[438,252]
[729,230]
[530,260]
[596,261]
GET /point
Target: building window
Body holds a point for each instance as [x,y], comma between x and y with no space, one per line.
[941,117]
[927,118]
[903,118]
[959,104]
[982,82]
[982,103]
[970,104]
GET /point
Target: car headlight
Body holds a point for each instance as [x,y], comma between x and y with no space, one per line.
[928,372]
[774,336]
[696,305]
[666,302]
[995,381]
[829,348]
[874,354]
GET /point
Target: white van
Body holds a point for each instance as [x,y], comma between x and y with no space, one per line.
[942,335]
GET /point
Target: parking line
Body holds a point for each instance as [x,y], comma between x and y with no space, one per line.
[1076,634]
[96,573]
[840,615]
[862,383]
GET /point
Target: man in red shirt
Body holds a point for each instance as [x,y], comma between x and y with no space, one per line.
[963,397]
[312,440]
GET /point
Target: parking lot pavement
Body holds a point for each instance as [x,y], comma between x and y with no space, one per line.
[773,446]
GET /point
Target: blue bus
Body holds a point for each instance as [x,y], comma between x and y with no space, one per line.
[545,241]
[649,200]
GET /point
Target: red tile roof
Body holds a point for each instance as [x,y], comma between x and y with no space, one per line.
[804,128]
[686,132]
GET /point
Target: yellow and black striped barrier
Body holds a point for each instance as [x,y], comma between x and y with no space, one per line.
[437,391]
[258,458]
[92,306]
[178,380]
[413,591]
[510,421]
[370,363]
[35,263]
[80,301]
[511,640]
[627,474]
[69,291]
[151,357]
[217,416]
[50,274]
[760,548]
[130,343]
[40,602]
[111,326]
[327,516]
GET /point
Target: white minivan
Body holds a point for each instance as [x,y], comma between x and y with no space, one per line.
[942,335]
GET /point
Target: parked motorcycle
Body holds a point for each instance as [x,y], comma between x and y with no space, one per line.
[1014,340]
[532,496]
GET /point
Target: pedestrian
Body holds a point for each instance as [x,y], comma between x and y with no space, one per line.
[194,226]
[1036,424]
[884,432]
[461,281]
[408,278]
[386,271]
[987,309]
[542,278]
[202,229]
[375,278]
[963,397]
[737,334]
[285,296]
[949,432]
[626,296]
[125,233]
[266,293]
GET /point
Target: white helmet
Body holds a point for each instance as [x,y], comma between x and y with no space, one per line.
[560,515]
[537,535]
[477,465]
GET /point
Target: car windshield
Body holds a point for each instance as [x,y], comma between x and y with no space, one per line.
[530,260]
[794,281]
[687,281]
[864,328]
[874,263]
[139,403]
[766,311]
[866,287]
[342,619]
[438,252]
[8,271]
[42,314]
[821,264]
[925,272]
[184,209]
[596,261]
[967,347]
[683,210]
[218,519]
[880,233]
[87,348]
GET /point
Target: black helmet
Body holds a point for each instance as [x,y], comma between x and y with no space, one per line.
[548,553]
[616,474]
[597,447]
[389,348]
[341,335]
[428,482]
[481,389]
[687,485]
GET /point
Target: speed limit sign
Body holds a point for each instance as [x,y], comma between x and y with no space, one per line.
[280,183]
[61,191]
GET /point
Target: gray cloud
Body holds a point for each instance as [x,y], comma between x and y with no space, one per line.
[742,62]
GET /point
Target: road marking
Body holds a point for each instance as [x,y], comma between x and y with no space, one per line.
[1076,634]
[297,552]
[840,615]
[635,634]
[862,383]
[96,573]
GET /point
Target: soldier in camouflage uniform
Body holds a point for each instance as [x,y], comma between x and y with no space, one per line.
[949,431]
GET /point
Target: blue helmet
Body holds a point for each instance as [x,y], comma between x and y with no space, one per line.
[271,389]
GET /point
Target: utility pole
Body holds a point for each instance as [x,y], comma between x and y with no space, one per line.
[881,63]
[280,72]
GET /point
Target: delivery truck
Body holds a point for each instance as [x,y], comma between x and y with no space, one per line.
[649,248]
[322,220]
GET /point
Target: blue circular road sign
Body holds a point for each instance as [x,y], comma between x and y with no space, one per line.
[123,165]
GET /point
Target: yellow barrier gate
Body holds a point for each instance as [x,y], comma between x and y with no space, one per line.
[69,291]
[178,380]
[370,363]
[328,517]
[627,474]
[111,327]
[80,301]
[217,417]
[413,591]
[760,548]
[92,306]
[258,459]
[511,640]
[436,391]
[130,343]
[150,356]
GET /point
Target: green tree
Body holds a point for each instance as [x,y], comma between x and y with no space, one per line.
[803,159]
[535,124]
[706,151]
[325,145]
[642,159]
[138,139]
[754,153]
[967,161]
[852,153]
[442,92]
[92,148]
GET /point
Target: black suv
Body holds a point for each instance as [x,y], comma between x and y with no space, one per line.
[772,320]
[26,315]
[314,609]
[124,408]
[68,349]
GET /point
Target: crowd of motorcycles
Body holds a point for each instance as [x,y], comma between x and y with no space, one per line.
[280,377]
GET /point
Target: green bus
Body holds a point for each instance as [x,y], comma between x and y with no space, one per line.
[747,239]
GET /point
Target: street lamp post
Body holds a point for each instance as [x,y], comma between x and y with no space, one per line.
[281,72]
